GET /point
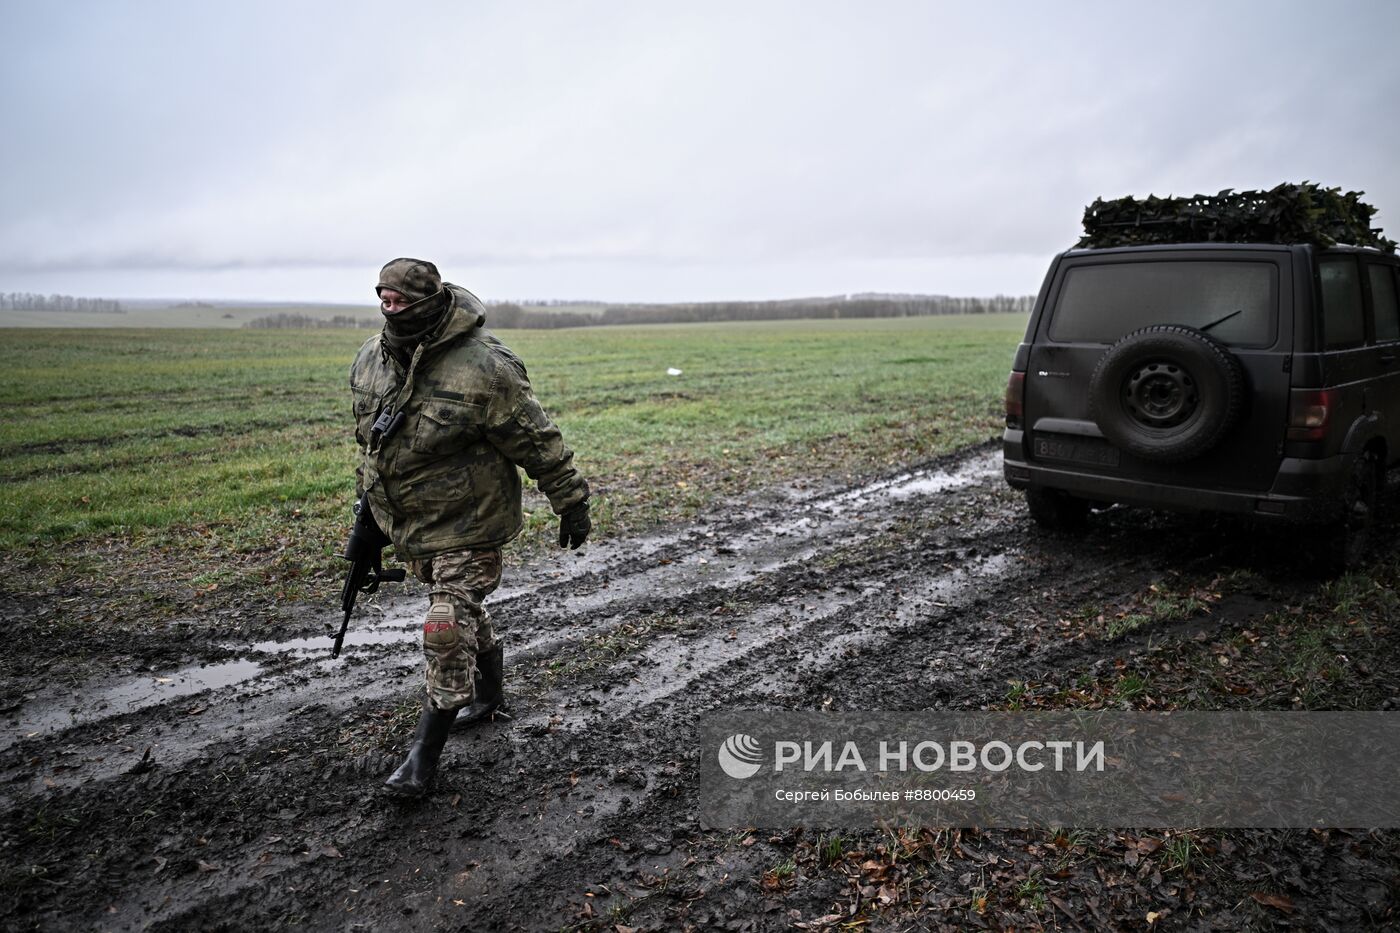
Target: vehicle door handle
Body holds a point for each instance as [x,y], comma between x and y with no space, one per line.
[1387,358]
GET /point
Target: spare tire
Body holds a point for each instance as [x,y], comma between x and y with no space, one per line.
[1166,393]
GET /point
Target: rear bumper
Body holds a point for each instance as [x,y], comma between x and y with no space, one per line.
[1303,490]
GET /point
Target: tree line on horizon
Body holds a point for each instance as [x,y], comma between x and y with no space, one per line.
[284,320]
[508,314]
[30,301]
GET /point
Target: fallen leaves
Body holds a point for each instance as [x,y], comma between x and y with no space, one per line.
[771,881]
[145,764]
[1280,902]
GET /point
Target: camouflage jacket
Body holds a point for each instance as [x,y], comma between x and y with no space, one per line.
[447,480]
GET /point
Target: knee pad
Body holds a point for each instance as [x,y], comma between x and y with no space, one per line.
[440,631]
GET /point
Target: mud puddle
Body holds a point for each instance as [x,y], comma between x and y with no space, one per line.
[56,710]
[320,644]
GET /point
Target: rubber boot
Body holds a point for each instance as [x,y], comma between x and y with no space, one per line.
[488,693]
[416,773]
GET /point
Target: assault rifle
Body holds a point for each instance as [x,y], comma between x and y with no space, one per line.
[366,572]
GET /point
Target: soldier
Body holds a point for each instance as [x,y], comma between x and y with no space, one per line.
[444,415]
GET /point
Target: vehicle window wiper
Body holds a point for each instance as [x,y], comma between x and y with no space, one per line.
[1221,320]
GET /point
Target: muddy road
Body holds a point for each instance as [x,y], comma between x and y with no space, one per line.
[240,789]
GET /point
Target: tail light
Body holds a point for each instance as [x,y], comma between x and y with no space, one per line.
[1015,399]
[1310,413]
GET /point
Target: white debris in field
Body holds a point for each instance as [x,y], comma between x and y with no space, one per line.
[673,371]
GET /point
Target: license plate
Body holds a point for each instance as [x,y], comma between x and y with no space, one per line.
[1094,452]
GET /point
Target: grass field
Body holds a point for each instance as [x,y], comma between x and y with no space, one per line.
[154,315]
[224,458]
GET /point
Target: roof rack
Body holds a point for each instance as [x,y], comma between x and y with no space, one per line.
[1288,213]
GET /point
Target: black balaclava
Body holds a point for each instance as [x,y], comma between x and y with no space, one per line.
[419,282]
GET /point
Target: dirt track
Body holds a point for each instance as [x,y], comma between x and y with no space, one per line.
[244,793]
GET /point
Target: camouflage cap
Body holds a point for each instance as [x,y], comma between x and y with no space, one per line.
[415,279]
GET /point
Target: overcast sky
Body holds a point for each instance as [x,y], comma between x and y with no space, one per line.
[652,151]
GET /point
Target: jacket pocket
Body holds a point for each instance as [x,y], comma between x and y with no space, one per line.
[446,425]
[367,405]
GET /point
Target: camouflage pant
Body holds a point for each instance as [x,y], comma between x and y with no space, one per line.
[457,626]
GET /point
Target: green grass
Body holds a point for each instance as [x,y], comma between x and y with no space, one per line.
[208,443]
[831,849]
[1181,851]
[1163,602]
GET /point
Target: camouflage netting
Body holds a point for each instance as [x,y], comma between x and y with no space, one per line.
[1303,213]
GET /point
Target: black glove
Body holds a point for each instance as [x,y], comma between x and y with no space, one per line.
[374,535]
[574,526]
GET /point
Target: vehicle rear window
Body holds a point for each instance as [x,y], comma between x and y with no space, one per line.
[1101,303]
[1342,324]
[1385,302]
